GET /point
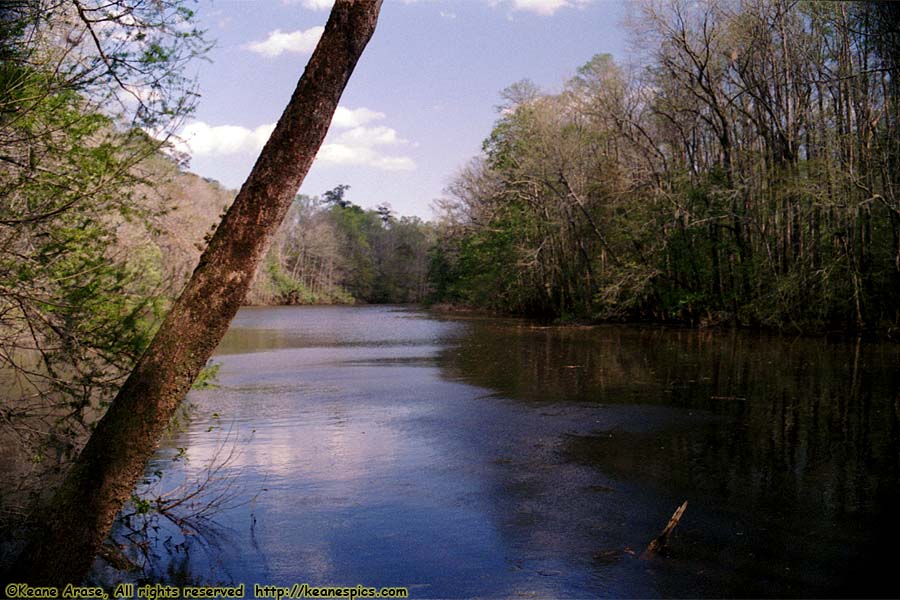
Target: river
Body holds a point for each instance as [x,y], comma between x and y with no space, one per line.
[466,456]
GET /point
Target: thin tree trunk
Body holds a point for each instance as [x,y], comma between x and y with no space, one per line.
[102,478]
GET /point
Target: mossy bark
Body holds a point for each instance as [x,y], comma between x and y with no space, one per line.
[102,478]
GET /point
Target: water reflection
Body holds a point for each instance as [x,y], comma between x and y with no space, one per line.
[787,449]
[486,457]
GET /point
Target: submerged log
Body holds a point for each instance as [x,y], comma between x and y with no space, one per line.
[660,542]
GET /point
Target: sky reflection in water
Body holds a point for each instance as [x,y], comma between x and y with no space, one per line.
[489,457]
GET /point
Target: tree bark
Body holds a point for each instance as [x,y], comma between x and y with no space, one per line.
[102,478]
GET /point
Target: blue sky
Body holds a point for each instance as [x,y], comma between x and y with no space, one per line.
[420,102]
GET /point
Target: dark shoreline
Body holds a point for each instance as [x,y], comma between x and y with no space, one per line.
[719,326]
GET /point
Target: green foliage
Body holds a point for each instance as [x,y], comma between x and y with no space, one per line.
[207,377]
[140,505]
[284,287]
[76,307]
[335,252]
[82,307]
[354,227]
[710,188]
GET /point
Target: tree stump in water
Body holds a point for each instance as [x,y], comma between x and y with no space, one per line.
[660,542]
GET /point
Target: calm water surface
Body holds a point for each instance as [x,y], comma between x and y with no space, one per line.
[483,457]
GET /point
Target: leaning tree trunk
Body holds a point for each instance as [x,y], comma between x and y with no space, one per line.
[104,474]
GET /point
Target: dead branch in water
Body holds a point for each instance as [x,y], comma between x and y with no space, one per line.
[659,542]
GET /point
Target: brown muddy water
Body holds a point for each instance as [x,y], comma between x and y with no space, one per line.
[482,457]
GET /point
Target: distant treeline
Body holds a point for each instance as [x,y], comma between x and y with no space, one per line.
[747,172]
[332,251]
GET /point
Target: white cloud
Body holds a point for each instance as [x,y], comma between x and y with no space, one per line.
[370,136]
[318,4]
[131,96]
[351,143]
[394,163]
[344,155]
[541,7]
[278,42]
[346,117]
[201,139]
[359,147]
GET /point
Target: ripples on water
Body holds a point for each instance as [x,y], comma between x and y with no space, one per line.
[488,457]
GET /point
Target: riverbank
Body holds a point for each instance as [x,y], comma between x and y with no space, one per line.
[721,322]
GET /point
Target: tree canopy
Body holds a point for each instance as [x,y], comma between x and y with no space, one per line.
[745,173]
[87,92]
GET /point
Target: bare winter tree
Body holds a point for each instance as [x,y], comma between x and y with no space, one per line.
[81,513]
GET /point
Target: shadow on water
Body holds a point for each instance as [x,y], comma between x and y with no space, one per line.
[488,457]
[788,450]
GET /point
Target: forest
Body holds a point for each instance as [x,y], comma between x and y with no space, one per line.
[740,169]
[744,171]
[101,225]
[101,230]
[332,251]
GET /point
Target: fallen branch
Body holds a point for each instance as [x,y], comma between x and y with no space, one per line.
[660,542]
